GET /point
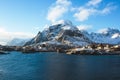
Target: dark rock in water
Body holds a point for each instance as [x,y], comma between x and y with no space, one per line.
[4,52]
[7,48]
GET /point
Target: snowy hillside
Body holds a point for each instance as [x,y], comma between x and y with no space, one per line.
[65,32]
[109,36]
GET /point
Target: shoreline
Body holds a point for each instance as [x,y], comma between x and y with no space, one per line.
[93,49]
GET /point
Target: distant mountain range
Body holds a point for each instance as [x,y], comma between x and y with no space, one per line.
[109,36]
[17,42]
[65,32]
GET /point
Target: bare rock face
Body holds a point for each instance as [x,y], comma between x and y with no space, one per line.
[37,39]
[72,36]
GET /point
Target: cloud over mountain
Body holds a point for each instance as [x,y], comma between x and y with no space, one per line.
[91,8]
[81,13]
[57,10]
[5,35]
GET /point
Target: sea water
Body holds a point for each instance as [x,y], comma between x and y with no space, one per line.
[58,66]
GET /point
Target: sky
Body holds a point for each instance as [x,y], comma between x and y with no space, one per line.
[24,18]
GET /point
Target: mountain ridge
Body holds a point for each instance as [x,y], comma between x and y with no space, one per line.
[65,32]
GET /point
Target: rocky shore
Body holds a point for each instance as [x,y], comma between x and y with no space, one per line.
[96,49]
[93,49]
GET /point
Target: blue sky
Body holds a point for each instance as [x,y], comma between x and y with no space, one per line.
[24,18]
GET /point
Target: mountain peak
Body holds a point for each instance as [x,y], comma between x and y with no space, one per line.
[63,25]
[63,22]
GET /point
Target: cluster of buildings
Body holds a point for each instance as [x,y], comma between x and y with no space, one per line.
[62,48]
[95,49]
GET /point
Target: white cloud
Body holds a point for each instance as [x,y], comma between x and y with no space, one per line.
[84,13]
[36,28]
[5,35]
[104,30]
[89,9]
[109,7]
[84,27]
[81,13]
[58,9]
[93,2]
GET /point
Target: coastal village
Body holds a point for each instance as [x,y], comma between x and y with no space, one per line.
[93,49]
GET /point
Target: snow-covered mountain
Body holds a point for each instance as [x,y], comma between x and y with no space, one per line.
[64,32]
[17,42]
[109,36]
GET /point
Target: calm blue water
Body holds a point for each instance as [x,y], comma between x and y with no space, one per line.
[54,66]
